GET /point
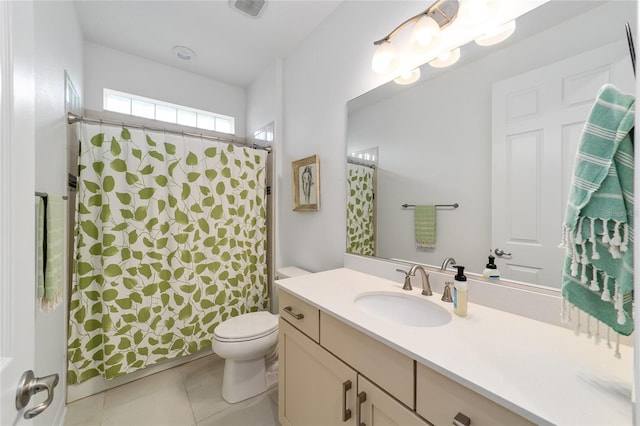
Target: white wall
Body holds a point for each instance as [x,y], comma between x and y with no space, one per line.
[264,106]
[264,98]
[58,47]
[112,69]
[331,67]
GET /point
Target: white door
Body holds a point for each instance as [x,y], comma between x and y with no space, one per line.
[17,212]
[537,122]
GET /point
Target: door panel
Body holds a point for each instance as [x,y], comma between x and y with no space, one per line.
[17,217]
[537,122]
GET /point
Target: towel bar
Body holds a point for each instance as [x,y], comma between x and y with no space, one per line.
[452,206]
[45,195]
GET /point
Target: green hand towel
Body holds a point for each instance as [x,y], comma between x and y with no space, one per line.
[598,227]
[50,252]
[425,218]
[40,248]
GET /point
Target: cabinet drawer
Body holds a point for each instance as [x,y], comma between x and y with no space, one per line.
[300,314]
[386,367]
[439,399]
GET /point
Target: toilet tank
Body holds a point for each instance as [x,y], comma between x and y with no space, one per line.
[281,274]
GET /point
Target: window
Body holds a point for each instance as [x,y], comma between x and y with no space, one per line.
[265,133]
[138,106]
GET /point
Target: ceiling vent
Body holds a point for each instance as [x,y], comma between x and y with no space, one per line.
[250,7]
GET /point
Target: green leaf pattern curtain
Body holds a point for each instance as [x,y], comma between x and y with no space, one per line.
[360,219]
[170,241]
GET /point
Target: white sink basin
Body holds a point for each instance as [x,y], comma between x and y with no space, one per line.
[403,309]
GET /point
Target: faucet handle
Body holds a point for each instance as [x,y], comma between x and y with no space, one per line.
[446,294]
[407,279]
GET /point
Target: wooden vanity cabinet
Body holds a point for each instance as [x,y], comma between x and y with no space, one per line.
[383,365]
[319,384]
[332,374]
[377,408]
[302,315]
[315,388]
[440,399]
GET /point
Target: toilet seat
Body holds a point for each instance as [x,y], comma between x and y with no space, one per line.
[250,326]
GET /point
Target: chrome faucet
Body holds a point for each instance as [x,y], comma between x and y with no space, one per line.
[426,286]
[447,261]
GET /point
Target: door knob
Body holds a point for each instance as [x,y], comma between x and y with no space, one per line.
[30,385]
[499,252]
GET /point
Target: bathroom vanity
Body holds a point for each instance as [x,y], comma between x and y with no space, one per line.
[341,363]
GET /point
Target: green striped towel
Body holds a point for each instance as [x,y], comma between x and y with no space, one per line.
[50,251]
[40,246]
[425,218]
[598,227]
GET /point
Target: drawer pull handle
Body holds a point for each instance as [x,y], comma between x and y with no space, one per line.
[461,420]
[346,413]
[289,310]
[362,397]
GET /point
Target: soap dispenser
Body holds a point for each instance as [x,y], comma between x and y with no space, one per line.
[491,270]
[460,292]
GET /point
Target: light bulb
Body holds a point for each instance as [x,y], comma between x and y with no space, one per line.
[446,59]
[385,58]
[473,12]
[497,35]
[426,32]
[408,77]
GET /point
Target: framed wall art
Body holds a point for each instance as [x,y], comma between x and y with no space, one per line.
[306,184]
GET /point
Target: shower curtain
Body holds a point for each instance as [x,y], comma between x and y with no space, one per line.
[170,241]
[361,237]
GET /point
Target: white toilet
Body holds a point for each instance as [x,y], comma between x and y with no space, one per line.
[248,343]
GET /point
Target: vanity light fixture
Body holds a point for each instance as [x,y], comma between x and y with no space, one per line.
[498,35]
[476,12]
[425,35]
[446,59]
[482,20]
[408,77]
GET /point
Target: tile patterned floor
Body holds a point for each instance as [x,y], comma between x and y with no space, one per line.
[188,395]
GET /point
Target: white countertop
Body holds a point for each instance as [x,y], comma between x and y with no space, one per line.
[545,373]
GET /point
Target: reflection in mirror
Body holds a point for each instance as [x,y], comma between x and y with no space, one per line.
[477,134]
[361,202]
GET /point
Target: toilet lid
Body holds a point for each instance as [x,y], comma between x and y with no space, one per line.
[247,326]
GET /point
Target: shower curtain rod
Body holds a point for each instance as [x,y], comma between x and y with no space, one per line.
[360,163]
[74,118]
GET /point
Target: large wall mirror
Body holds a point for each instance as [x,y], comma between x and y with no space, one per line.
[495,134]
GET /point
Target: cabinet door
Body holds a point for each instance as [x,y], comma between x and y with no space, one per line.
[383,365]
[315,388]
[376,408]
[440,399]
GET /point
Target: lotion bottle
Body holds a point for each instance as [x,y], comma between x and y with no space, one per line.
[460,292]
[491,270]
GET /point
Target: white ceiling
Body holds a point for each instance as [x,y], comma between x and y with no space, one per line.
[230,46]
